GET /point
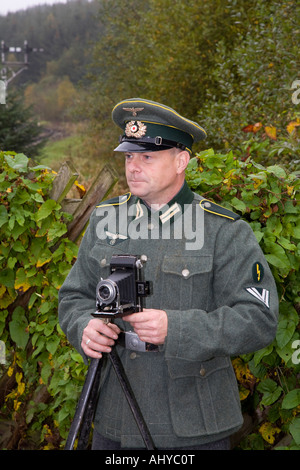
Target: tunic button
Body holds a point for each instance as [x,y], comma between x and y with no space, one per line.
[202,372]
[207,204]
[103,262]
[132,355]
[185,273]
[150,226]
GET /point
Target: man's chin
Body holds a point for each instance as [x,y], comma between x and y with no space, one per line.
[137,188]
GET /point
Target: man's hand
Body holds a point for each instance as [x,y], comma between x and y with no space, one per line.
[150,325]
[98,337]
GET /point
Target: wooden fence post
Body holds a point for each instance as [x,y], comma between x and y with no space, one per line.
[81,209]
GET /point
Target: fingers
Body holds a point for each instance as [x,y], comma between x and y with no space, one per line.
[99,338]
[151,325]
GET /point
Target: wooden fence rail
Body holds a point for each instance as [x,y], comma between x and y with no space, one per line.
[81,209]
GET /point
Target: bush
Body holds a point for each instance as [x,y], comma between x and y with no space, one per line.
[268,199]
[41,374]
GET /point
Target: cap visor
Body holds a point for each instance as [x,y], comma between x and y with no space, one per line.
[139,147]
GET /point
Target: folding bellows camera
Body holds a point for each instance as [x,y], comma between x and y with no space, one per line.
[123,291]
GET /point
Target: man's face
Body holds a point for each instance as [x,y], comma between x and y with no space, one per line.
[155,177]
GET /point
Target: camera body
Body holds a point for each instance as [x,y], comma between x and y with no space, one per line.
[123,291]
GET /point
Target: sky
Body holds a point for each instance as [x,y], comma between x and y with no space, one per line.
[10,6]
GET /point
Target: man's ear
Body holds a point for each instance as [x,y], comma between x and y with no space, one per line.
[183,159]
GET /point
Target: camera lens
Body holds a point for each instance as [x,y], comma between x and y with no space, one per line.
[104,292]
[107,292]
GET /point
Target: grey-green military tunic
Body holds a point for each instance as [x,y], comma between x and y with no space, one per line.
[210,276]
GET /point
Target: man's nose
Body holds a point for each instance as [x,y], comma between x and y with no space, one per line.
[134,164]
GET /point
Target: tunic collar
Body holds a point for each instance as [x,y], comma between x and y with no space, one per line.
[167,212]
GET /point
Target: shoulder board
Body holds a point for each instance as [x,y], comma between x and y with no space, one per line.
[214,208]
[116,201]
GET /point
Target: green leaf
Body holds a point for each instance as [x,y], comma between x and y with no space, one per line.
[11,262]
[213,161]
[7,277]
[38,197]
[212,178]
[19,162]
[287,310]
[3,215]
[57,230]
[276,256]
[39,346]
[40,167]
[277,171]
[285,331]
[286,352]
[52,344]
[18,326]
[76,357]
[46,209]
[262,353]
[22,282]
[296,231]
[290,208]
[62,414]
[291,400]
[295,429]
[259,236]
[19,247]
[44,308]
[284,242]
[274,225]
[238,204]
[44,257]
[45,371]
[21,197]
[271,391]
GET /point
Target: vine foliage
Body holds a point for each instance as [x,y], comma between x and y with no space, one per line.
[41,374]
[268,198]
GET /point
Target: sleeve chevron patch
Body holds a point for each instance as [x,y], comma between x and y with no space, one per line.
[261,294]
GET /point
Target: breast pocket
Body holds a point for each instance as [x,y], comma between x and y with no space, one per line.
[186,281]
[102,253]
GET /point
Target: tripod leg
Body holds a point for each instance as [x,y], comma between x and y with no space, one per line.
[83,438]
[84,405]
[119,370]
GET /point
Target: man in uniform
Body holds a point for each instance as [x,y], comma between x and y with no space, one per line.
[213,297]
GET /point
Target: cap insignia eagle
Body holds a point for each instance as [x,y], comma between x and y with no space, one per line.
[134,111]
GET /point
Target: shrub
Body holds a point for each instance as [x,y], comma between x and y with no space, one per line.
[42,375]
[268,199]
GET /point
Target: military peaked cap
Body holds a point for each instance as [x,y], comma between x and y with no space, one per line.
[150,126]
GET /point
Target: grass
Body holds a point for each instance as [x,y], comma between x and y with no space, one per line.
[57,152]
[87,157]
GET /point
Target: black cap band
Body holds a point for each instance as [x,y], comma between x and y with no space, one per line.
[151,144]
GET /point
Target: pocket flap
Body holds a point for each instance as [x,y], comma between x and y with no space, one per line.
[179,368]
[192,264]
